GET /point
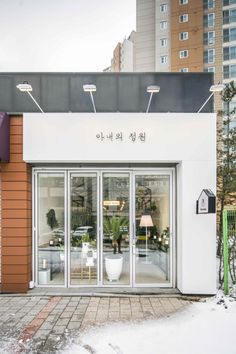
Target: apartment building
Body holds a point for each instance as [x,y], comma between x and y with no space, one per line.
[187,36]
[123,55]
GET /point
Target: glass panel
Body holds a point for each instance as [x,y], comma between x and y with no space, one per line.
[226,35]
[152,209]
[232,53]
[232,71]
[226,53]
[232,34]
[226,71]
[51,253]
[116,254]
[83,229]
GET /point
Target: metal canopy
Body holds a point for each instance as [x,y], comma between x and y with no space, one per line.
[116,92]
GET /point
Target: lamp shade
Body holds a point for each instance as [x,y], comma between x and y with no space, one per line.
[146,220]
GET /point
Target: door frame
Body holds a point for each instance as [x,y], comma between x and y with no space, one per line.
[164,172]
[133,171]
[129,173]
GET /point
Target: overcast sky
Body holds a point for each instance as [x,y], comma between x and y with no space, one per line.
[62,35]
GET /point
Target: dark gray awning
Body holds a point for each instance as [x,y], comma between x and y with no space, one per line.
[116,92]
[4,137]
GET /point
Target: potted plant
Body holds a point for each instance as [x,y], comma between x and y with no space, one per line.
[113,226]
[114,262]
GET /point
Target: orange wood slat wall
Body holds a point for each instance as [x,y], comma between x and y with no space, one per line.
[16,215]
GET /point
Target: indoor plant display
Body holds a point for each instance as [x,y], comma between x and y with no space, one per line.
[52,223]
[163,240]
[113,226]
[51,219]
[114,262]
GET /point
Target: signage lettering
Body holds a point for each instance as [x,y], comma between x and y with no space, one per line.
[111,136]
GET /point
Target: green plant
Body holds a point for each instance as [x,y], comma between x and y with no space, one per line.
[75,241]
[226,168]
[85,237]
[51,219]
[163,240]
[113,226]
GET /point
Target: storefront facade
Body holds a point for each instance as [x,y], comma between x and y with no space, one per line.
[99,200]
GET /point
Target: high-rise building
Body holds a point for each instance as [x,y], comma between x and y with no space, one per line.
[186,36]
[123,55]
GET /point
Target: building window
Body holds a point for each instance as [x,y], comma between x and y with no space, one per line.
[183,18]
[209,38]
[228,2]
[183,36]
[229,34]
[183,2]
[163,59]
[232,124]
[229,71]
[229,16]
[209,56]
[211,69]
[183,54]
[163,7]
[229,53]
[183,70]
[163,42]
[209,20]
[208,4]
[163,25]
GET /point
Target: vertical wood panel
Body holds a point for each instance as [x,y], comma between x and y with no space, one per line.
[16,210]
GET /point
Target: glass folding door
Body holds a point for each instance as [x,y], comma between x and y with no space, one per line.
[50,229]
[83,243]
[115,222]
[152,264]
[103,227]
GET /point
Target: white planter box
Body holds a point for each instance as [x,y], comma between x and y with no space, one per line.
[44,276]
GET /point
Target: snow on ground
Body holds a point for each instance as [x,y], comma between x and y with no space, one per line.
[201,328]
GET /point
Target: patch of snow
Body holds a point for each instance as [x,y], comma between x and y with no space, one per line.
[204,327]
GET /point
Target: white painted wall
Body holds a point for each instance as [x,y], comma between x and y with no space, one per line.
[127,61]
[188,139]
[145,36]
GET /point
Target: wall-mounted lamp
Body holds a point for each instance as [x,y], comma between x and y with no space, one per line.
[213,89]
[151,89]
[26,87]
[91,88]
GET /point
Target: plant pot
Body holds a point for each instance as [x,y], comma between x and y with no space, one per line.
[113,266]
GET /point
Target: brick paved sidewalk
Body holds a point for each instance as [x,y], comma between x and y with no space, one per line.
[46,324]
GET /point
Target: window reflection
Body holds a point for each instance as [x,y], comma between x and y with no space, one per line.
[51,253]
[83,233]
[116,257]
[152,199]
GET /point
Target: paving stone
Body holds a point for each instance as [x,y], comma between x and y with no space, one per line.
[47,319]
[62,321]
[113,315]
[42,333]
[91,315]
[59,329]
[74,325]
[47,325]
[66,314]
